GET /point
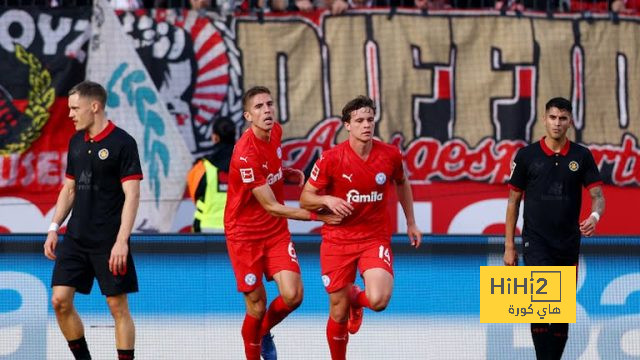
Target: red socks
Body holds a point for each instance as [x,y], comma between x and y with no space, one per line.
[361,300]
[251,337]
[278,310]
[338,337]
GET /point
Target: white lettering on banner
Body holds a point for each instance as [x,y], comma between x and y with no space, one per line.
[24,330]
[476,217]
[353,196]
[24,217]
[41,168]
[422,211]
[273,178]
[17,19]
[51,36]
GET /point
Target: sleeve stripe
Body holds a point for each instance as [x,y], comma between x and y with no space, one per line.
[69,176]
[515,188]
[131,177]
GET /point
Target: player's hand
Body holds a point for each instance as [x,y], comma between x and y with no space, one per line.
[415,236]
[331,219]
[50,245]
[510,256]
[338,206]
[293,176]
[118,258]
[588,226]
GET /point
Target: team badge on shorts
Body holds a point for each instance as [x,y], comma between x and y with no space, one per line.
[279,152]
[250,279]
[573,166]
[381,178]
[325,280]
[103,154]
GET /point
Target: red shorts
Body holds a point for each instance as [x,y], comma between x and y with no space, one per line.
[339,262]
[251,259]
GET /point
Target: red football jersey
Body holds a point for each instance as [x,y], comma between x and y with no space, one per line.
[254,163]
[365,184]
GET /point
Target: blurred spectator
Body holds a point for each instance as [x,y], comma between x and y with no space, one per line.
[125,4]
[509,5]
[625,6]
[432,4]
[304,5]
[589,5]
[200,5]
[206,181]
[336,6]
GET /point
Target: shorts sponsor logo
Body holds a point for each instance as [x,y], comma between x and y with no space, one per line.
[573,166]
[353,196]
[250,279]
[325,280]
[247,175]
[103,154]
[381,178]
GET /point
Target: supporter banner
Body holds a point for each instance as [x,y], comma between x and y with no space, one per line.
[459,94]
[134,104]
[42,55]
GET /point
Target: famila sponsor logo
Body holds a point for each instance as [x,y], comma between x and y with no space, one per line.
[273,178]
[353,196]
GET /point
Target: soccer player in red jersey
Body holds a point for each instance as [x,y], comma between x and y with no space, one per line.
[354,180]
[258,239]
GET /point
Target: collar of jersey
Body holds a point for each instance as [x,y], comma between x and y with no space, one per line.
[103,134]
[564,151]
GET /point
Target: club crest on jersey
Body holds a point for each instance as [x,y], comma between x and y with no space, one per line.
[353,196]
[325,280]
[573,166]
[247,175]
[279,152]
[381,178]
[103,154]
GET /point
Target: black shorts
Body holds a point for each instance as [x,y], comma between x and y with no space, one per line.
[77,267]
[536,253]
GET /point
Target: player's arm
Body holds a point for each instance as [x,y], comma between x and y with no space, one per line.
[267,199]
[120,250]
[405,197]
[588,225]
[513,209]
[293,176]
[311,200]
[64,204]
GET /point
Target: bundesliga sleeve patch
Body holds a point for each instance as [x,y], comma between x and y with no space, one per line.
[314,172]
[247,175]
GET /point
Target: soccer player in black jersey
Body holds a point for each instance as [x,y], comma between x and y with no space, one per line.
[102,186]
[550,174]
